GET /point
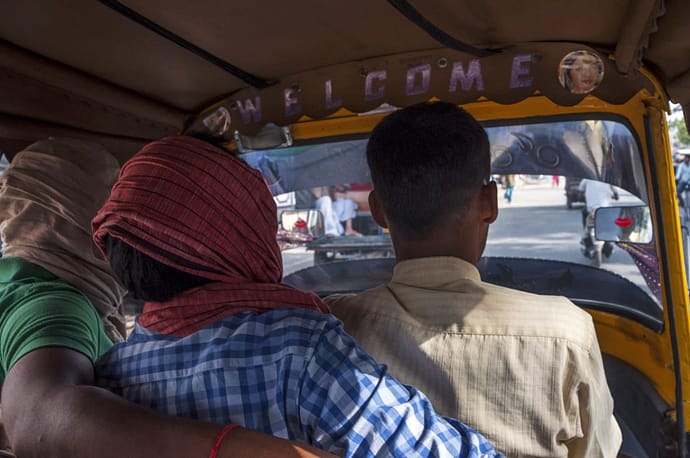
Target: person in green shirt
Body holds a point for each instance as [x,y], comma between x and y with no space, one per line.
[60,309]
[39,310]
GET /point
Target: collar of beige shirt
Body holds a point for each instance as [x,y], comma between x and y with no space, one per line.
[434,272]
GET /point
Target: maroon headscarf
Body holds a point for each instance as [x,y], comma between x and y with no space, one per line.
[195,207]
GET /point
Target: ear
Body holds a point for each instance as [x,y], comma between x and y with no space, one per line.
[377,210]
[488,196]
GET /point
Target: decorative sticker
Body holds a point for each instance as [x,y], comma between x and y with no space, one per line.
[580,72]
[218,122]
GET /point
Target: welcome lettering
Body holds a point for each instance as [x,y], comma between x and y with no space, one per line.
[464,76]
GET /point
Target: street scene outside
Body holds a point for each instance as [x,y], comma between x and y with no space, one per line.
[536,224]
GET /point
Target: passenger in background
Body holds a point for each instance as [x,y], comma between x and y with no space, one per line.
[338,210]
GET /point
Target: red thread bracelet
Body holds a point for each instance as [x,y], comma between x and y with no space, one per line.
[219,439]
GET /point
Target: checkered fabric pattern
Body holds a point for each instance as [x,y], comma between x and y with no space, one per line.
[291,373]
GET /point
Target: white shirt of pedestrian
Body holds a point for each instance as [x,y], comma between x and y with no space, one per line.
[597,194]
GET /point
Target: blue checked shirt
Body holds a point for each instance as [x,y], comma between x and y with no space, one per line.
[292,373]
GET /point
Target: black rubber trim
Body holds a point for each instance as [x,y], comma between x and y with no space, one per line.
[414,16]
[609,307]
[252,80]
[680,415]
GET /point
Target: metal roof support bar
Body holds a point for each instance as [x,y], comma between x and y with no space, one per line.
[252,80]
[634,35]
[437,34]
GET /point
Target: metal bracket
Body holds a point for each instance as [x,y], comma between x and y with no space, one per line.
[271,136]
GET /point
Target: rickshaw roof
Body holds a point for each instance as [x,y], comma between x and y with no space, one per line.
[127,72]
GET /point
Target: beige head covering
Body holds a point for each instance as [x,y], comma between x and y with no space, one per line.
[48,196]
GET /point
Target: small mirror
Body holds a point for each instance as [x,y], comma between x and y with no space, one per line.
[305,221]
[623,224]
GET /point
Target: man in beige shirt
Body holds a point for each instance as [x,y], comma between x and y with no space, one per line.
[524,370]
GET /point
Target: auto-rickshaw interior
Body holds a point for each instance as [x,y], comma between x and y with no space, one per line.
[294,90]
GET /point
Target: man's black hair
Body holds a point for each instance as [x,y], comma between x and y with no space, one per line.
[426,161]
[144,277]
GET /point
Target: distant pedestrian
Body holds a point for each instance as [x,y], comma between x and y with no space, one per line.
[682,177]
[509,185]
[555,181]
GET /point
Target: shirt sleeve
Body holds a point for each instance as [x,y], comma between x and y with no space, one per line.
[351,406]
[592,405]
[57,318]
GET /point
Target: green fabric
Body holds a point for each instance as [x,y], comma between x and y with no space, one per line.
[37,310]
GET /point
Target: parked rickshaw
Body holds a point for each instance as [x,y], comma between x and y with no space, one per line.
[294,88]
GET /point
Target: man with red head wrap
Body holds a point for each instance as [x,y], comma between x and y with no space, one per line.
[191,230]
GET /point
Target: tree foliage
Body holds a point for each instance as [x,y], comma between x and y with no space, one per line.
[681,131]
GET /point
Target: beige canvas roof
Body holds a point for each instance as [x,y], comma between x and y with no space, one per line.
[125,72]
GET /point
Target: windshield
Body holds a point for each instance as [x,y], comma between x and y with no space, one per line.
[552,177]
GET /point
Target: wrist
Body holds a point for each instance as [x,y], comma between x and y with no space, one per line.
[220,438]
